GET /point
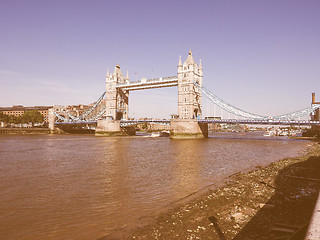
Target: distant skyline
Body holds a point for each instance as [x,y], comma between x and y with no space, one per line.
[261,56]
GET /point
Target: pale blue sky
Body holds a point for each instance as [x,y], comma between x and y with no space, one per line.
[262,56]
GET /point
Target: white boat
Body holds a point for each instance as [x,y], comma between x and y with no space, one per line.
[164,133]
[160,134]
[155,134]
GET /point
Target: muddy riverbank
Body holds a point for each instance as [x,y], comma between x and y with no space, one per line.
[264,203]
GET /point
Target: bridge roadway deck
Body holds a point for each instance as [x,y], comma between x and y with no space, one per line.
[218,121]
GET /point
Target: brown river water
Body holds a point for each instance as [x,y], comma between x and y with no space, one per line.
[82,186]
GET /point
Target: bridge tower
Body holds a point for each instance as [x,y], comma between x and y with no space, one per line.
[117,106]
[117,100]
[189,97]
[189,101]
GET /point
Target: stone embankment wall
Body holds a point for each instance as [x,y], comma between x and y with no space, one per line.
[24,131]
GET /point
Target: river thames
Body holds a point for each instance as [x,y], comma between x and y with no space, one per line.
[83,187]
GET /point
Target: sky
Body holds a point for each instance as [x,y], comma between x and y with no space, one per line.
[262,56]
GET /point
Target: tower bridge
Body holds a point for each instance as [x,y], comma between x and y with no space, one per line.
[189,96]
[111,111]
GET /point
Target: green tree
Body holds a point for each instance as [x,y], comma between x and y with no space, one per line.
[32,116]
[14,119]
[7,118]
[4,117]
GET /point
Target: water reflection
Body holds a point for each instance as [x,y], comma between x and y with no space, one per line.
[187,160]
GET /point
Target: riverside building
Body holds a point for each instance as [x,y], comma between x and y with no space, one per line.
[19,110]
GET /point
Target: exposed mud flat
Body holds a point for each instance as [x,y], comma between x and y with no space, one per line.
[267,202]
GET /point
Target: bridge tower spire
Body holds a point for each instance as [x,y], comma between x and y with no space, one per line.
[189,97]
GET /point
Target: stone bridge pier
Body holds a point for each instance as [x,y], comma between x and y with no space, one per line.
[51,120]
[112,128]
[188,129]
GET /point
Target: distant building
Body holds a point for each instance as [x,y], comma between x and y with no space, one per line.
[19,110]
[315,116]
[74,110]
[212,127]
